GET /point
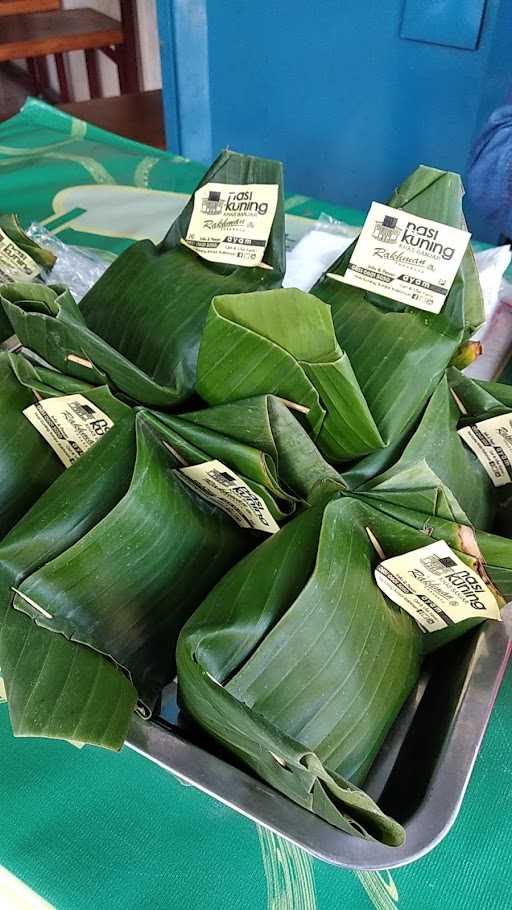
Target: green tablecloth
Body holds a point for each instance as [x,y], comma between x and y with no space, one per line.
[88,830]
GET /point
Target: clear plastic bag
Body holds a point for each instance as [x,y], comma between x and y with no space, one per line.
[77,269]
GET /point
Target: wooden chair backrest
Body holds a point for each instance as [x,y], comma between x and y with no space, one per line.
[12,7]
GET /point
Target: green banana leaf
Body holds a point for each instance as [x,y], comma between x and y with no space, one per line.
[283,342]
[481,400]
[298,664]
[489,555]
[55,687]
[264,443]
[398,353]
[28,465]
[436,473]
[106,567]
[140,324]
[10,225]
[439,487]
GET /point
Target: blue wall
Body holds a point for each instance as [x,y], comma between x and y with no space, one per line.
[331,87]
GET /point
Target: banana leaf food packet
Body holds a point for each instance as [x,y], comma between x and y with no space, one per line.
[28,464]
[139,326]
[298,663]
[21,259]
[399,353]
[100,575]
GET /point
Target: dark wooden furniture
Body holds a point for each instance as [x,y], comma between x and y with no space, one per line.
[12,7]
[35,36]
[138,116]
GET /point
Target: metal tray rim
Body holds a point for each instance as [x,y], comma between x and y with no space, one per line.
[261,803]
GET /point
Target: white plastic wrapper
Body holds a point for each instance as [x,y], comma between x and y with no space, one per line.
[495,335]
[492,265]
[316,251]
[77,269]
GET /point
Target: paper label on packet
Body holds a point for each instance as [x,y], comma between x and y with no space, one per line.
[15,264]
[70,424]
[407,258]
[435,587]
[231,223]
[491,442]
[220,485]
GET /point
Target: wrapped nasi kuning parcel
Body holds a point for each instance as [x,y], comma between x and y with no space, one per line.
[99,576]
[21,259]
[283,342]
[440,479]
[485,426]
[298,663]
[444,491]
[138,328]
[31,398]
[398,351]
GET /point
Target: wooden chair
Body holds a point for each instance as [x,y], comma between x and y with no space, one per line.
[11,7]
[41,29]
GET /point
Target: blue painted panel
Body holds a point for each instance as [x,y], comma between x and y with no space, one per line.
[185,77]
[454,23]
[331,89]
[169,75]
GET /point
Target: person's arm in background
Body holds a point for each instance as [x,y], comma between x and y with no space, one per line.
[489,179]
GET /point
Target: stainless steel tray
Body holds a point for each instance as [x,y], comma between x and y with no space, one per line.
[420,775]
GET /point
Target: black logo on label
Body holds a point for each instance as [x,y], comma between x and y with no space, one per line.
[386,231]
[222,477]
[447,561]
[212,204]
[85,411]
[89,415]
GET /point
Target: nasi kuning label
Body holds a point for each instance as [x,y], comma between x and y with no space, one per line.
[70,424]
[491,442]
[407,258]
[435,587]
[231,223]
[220,485]
[15,264]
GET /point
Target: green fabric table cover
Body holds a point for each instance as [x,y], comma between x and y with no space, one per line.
[89,830]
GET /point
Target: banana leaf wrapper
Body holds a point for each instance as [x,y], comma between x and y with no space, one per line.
[91,626]
[56,687]
[489,555]
[98,578]
[264,443]
[139,326]
[436,473]
[28,465]
[261,678]
[10,225]
[299,665]
[439,487]
[282,342]
[480,400]
[399,353]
